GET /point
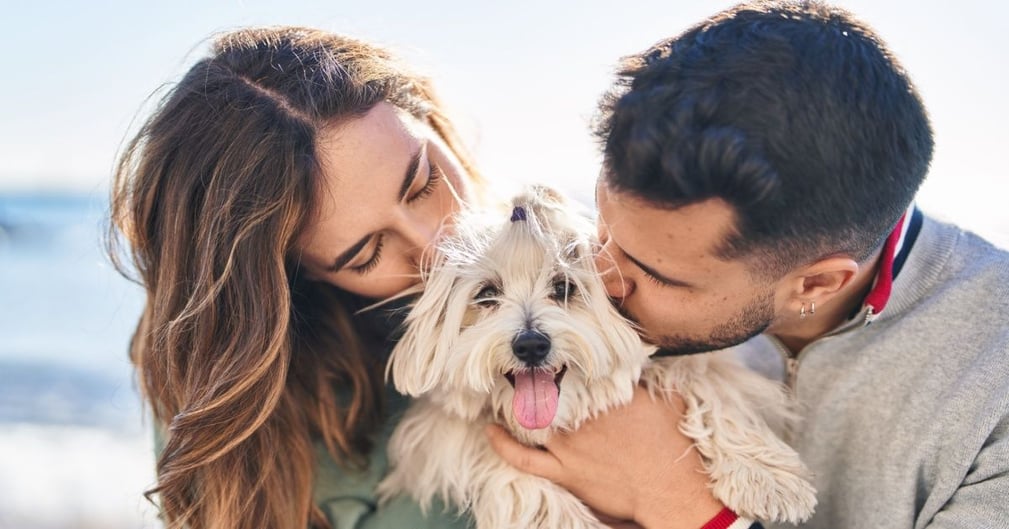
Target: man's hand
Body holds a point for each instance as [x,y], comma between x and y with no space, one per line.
[614,523]
[632,463]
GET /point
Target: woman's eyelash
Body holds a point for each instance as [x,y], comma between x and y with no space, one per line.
[373,262]
[434,176]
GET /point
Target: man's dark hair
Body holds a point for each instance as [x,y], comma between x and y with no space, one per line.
[794,113]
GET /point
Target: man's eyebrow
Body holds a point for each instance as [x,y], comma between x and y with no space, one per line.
[652,272]
[411,172]
[348,254]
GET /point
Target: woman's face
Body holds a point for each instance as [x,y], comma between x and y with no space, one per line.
[389,185]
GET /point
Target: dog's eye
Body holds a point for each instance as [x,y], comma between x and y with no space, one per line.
[487,296]
[563,289]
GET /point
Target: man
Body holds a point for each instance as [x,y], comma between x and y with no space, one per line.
[759,172]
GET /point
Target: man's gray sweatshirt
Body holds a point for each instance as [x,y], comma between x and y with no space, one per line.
[906,419]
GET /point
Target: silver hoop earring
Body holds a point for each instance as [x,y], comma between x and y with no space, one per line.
[802,312]
[812,308]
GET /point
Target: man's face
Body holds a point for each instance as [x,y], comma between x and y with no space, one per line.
[660,267]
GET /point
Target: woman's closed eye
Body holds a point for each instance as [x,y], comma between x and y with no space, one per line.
[434,176]
[370,265]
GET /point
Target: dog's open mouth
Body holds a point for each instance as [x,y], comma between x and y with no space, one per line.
[536,393]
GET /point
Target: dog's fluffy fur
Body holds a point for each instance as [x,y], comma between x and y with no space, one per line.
[496,281]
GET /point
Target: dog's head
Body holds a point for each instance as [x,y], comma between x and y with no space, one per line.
[514,322]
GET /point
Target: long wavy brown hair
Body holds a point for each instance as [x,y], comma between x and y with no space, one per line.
[245,365]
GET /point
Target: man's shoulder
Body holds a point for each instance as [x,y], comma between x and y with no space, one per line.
[966,244]
[957,259]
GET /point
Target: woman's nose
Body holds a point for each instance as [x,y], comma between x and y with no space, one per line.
[419,233]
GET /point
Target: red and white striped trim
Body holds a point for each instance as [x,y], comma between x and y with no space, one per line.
[879,294]
[726,519]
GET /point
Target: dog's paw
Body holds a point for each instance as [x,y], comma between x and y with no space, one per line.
[767,494]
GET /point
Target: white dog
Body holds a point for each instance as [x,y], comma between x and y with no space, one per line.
[514,328]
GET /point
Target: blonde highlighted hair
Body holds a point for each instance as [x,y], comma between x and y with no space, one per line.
[244,363]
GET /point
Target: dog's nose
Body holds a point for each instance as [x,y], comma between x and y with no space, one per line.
[531,347]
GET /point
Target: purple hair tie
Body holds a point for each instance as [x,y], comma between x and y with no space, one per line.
[519,213]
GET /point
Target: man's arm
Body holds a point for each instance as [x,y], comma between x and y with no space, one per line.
[982,499]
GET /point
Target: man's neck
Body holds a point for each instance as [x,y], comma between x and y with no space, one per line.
[798,333]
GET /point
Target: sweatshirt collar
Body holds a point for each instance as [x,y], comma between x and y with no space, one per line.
[895,251]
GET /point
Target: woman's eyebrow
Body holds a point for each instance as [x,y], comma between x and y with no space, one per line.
[348,254]
[411,171]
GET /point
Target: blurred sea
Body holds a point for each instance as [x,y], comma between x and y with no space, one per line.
[75,450]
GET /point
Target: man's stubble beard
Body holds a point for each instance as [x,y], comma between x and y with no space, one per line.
[752,320]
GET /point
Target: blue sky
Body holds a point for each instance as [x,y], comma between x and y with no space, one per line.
[522,78]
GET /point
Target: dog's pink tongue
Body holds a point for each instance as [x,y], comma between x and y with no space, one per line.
[535,400]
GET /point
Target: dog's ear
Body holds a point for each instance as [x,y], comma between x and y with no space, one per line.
[419,358]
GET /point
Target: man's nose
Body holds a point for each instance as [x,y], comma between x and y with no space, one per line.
[617,285]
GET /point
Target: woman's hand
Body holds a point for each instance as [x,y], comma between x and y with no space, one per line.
[632,463]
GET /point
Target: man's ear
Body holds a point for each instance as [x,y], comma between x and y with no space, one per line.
[820,281]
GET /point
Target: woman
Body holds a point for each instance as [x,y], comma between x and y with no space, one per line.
[290,178]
